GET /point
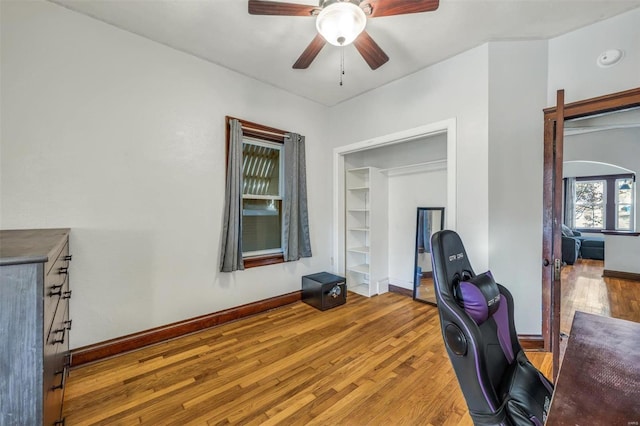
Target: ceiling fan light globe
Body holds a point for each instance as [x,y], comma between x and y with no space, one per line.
[341,22]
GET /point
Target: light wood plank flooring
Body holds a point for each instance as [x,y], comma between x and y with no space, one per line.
[376,361]
[584,289]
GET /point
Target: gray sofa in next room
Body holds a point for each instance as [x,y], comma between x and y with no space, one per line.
[575,244]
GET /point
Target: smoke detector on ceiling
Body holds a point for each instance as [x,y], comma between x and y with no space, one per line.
[610,57]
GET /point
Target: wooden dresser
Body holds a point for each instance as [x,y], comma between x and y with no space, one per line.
[34,325]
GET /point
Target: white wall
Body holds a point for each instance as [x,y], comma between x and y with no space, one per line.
[619,147]
[456,88]
[406,194]
[122,140]
[517,87]
[431,148]
[572,59]
[573,168]
[622,253]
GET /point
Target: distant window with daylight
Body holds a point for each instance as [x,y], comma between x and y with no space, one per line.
[603,203]
[262,195]
[624,204]
[590,204]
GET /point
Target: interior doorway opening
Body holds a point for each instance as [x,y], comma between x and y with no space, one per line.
[344,158]
[555,118]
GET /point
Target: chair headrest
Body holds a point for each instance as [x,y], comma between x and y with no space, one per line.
[450,258]
[479,296]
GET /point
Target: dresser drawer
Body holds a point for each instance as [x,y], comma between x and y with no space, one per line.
[54,390]
[58,334]
[56,363]
[56,284]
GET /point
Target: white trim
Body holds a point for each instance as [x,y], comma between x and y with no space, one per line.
[429,166]
[619,169]
[574,131]
[262,142]
[447,127]
[364,170]
[261,197]
[248,254]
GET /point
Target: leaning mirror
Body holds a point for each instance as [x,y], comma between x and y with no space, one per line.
[430,220]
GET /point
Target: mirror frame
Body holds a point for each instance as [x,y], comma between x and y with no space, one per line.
[415,248]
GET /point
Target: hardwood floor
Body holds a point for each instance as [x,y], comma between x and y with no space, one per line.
[585,289]
[373,361]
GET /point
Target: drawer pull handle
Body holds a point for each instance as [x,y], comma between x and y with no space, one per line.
[56,290]
[67,324]
[68,257]
[64,333]
[67,294]
[63,271]
[63,378]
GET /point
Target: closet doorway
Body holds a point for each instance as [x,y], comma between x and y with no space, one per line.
[405,160]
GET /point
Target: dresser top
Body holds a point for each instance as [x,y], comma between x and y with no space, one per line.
[30,245]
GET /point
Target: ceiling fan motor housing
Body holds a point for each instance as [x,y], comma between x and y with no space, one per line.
[325,3]
[340,22]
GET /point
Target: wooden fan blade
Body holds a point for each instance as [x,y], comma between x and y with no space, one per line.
[259,7]
[310,53]
[399,7]
[370,51]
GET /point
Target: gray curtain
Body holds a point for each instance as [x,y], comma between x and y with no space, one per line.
[295,229]
[569,202]
[231,250]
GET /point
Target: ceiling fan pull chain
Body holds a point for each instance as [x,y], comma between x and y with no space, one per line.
[341,64]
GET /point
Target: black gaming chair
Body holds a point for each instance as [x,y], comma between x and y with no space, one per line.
[499,383]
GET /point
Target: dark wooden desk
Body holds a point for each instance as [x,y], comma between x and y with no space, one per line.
[599,380]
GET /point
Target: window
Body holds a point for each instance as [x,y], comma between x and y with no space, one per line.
[604,202]
[262,193]
[265,215]
[589,204]
[624,204]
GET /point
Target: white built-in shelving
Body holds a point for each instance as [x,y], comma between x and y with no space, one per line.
[366,231]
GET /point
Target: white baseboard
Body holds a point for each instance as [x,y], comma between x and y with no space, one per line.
[383,286]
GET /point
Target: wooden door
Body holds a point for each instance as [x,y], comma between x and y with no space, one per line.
[554,118]
[552,220]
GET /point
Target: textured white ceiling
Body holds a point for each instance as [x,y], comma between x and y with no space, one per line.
[265,47]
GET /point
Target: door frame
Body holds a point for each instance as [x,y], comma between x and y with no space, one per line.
[447,126]
[552,199]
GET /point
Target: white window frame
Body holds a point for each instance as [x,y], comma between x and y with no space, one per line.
[632,213]
[604,203]
[279,197]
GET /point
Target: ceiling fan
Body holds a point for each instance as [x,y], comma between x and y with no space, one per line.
[341,22]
